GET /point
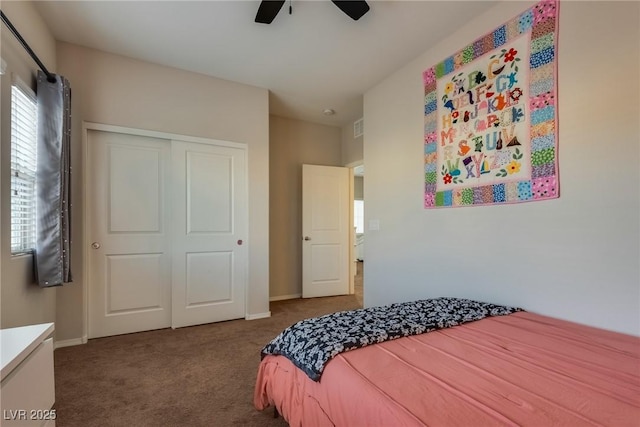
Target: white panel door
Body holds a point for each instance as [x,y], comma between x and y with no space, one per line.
[325,229]
[210,232]
[129,230]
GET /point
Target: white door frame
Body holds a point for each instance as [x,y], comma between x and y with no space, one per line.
[89,126]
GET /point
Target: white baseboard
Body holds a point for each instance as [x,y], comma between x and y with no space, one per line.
[284,297]
[258,316]
[69,343]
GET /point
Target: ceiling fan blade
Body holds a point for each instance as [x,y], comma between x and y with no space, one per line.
[268,10]
[354,9]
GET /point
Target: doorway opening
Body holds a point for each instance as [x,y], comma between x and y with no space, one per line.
[358,230]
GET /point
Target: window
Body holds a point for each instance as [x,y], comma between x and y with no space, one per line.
[358,215]
[23,168]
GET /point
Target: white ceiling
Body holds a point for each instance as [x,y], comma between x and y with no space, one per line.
[314,59]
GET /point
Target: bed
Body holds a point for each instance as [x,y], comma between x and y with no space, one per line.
[508,367]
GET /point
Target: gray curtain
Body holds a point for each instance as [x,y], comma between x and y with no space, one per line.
[53,182]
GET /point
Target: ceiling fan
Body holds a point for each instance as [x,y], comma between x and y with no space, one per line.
[268,9]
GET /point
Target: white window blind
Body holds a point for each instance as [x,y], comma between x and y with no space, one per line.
[23,168]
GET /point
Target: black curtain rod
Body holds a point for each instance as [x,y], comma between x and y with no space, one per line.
[50,77]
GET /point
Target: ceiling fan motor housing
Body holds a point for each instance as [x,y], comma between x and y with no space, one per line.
[268,9]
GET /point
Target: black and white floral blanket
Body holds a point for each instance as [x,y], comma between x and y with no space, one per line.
[311,343]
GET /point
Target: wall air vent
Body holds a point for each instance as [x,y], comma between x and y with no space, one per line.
[358,128]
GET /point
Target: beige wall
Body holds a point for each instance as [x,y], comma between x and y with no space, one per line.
[576,257]
[115,90]
[293,143]
[21,301]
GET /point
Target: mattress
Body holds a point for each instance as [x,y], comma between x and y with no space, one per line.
[519,369]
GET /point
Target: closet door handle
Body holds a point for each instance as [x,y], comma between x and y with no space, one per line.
[307,238]
[95,245]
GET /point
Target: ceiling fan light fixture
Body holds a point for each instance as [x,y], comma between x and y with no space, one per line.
[268,9]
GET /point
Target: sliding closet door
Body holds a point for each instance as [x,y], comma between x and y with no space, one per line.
[209,234]
[166,232]
[128,233]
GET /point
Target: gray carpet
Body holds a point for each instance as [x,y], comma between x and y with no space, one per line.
[196,376]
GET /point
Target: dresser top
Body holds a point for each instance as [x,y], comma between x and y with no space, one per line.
[17,343]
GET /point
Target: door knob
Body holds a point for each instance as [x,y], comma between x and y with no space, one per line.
[240,242]
[95,245]
[307,238]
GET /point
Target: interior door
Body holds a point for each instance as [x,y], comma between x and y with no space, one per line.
[129,230]
[210,232]
[326,231]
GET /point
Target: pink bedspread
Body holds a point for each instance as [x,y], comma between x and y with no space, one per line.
[520,369]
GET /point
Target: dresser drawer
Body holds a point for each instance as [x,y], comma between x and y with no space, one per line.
[28,392]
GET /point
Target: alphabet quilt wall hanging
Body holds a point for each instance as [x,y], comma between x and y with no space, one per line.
[491,118]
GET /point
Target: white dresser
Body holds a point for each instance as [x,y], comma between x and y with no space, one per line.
[27,391]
